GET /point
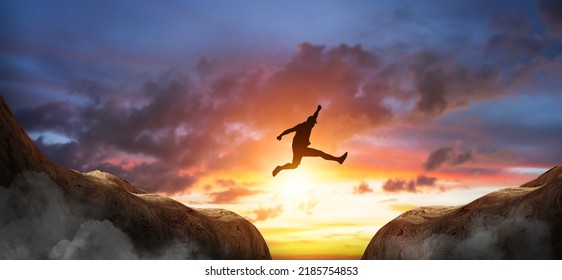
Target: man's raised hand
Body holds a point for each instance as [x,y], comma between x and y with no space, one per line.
[279,137]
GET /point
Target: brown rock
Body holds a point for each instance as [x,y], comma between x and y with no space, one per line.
[152,222]
[514,223]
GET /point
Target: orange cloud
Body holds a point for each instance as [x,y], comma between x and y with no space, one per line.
[232,193]
[262,214]
[362,188]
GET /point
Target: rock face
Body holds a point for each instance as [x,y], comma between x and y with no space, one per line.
[515,223]
[50,211]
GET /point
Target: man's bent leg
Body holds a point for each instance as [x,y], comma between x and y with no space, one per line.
[296,162]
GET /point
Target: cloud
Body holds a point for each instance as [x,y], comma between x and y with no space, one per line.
[550,12]
[451,156]
[37,221]
[182,123]
[404,185]
[233,191]
[231,194]
[56,116]
[443,84]
[446,155]
[262,214]
[362,188]
[204,67]
[515,47]
[423,180]
[308,206]
[164,132]
[343,76]
[112,125]
[512,39]
[399,185]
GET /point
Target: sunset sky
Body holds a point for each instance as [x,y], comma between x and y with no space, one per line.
[436,102]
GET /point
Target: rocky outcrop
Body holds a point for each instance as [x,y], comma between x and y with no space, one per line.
[514,223]
[155,225]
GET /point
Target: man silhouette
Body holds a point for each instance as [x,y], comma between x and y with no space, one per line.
[301,141]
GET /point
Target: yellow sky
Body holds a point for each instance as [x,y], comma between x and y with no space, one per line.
[315,216]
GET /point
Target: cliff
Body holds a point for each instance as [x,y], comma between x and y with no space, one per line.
[67,209]
[513,223]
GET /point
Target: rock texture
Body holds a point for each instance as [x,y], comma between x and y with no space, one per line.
[514,223]
[151,222]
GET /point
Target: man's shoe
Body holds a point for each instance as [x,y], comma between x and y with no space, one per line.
[276,170]
[340,159]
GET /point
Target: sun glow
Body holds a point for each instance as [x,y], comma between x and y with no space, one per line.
[295,182]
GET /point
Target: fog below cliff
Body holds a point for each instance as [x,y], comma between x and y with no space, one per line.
[38,222]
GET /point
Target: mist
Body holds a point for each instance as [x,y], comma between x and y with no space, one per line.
[37,221]
[515,236]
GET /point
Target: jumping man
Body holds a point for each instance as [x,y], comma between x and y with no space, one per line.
[301,141]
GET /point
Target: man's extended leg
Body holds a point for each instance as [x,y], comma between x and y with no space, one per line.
[296,161]
[310,152]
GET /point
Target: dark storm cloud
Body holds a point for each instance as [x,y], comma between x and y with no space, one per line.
[443,84]
[515,47]
[157,176]
[423,180]
[534,147]
[551,13]
[179,126]
[164,132]
[405,185]
[167,121]
[477,171]
[180,123]
[399,185]
[446,155]
[146,129]
[204,67]
[511,21]
[172,127]
[513,39]
[346,76]
[57,116]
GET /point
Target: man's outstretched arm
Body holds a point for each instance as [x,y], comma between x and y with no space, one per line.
[287,131]
[316,113]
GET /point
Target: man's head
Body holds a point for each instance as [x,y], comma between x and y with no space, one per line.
[311,120]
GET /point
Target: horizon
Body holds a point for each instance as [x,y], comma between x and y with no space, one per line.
[435,104]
